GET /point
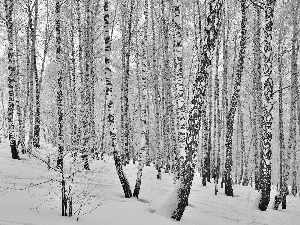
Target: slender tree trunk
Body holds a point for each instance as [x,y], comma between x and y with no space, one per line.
[156,92]
[80,65]
[86,89]
[127,36]
[267,107]
[36,130]
[60,114]
[72,79]
[242,140]
[257,99]
[224,89]
[32,64]
[180,92]
[282,160]
[3,114]
[205,174]
[104,123]
[110,103]
[167,102]
[9,9]
[217,122]
[21,130]
[27,104]
[144,96]
[234,100]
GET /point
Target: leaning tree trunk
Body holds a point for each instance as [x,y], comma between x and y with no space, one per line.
[197,105]
[267,108]
[144,95]
[234,100]
[110,104]
[9,8]
[60,164]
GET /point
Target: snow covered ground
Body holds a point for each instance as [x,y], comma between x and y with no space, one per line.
[30,194]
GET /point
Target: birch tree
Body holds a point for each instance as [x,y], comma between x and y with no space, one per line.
[144,95]
[233,102]
[282,184]
[9,10]
[59,96]
[110,103]
[197,110]
[267,107]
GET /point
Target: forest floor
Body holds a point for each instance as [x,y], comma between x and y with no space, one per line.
[30,194]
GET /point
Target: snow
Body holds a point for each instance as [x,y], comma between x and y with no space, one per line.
[167,208]
[256,201]
[30,194]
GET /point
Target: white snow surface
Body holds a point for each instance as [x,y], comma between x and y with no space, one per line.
[27,196]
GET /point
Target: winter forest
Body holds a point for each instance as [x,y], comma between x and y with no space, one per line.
[149,112]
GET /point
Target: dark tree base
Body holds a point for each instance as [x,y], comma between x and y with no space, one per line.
[122,177]
[159,174]
[222,182]
[177,215]
[216,188]
[228,186]
[136,191]
[263,204]
[86,162]
[245,182]
[14,150]
[284,202]
[278,200]
[70,207]
[256,181]
[58,163]
[168,168]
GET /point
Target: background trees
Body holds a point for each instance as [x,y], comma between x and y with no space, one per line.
[161,78]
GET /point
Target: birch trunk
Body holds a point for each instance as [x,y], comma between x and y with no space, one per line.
[9,9]
[144,96]
[282,159]
[110,103]
[233,103]
[21,127]
[60,161]
[267,107]
[36,130]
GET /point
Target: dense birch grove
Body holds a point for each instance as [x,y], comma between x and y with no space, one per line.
[188,87]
